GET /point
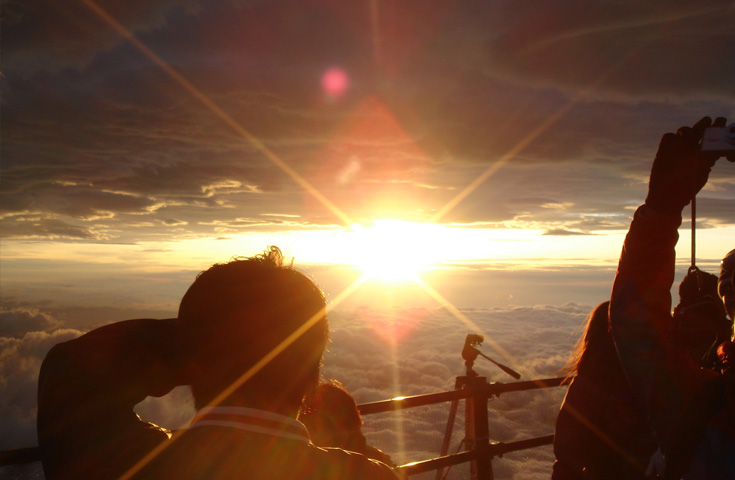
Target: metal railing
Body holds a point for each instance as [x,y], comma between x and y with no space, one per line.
[476,391]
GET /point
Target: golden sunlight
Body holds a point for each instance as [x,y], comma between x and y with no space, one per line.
[394,250]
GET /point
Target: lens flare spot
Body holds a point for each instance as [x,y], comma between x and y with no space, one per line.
[349,172]
[335,82]
[391,326]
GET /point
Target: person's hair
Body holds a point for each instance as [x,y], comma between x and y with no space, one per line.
[235,314]
[699,320]
[596,337]
[696,285]
[332,417]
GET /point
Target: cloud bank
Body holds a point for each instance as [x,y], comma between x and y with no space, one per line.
[100,144]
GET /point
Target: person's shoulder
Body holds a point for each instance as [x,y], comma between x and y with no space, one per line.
[377,454]
[358,466]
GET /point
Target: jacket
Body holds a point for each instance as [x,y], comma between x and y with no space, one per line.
[681,399]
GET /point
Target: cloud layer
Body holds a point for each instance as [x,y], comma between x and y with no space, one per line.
[100,143]
[20,360]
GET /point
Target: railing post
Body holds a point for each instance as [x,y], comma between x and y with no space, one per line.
[477,430]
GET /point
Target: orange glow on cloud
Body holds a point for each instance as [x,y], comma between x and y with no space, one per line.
[370,160]
[388,325]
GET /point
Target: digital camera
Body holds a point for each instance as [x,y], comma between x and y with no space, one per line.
[719,139]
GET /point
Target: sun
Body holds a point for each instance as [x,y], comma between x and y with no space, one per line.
[393,250]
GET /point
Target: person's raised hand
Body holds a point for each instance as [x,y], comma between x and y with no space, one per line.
[680,169]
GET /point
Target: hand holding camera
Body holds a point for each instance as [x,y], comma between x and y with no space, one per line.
[720,140]
[683,163]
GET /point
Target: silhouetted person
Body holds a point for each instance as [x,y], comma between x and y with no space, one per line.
[249,339]
[689,407]
[333,420]
[700,322]
[601,433]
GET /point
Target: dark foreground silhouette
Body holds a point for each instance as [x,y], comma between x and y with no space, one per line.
[231,318]
[691,409]
[601,433]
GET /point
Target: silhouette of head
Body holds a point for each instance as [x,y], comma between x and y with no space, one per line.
[236,314]
[332,418]
[699,320]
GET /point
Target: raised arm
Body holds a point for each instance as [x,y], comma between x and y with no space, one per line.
[666,380]
[87,390]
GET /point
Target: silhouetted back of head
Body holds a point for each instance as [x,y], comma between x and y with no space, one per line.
[239,313]
[699,320]
[696,285]
[333,419]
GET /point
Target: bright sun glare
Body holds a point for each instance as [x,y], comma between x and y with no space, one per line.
[394,250]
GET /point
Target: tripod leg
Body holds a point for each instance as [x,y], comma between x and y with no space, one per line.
[447,435]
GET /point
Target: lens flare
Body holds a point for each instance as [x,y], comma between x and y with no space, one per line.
[392,326]
[335,82]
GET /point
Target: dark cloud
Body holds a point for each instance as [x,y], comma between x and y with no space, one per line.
[715,201]
[42,226]
[621,49]
[172,222]
[561,232]
[16,322]
[81,202]
[32,30]
[95,130]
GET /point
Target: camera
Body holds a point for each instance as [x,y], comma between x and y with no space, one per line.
[719,139]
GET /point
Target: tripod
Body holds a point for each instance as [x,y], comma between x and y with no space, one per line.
[476,422]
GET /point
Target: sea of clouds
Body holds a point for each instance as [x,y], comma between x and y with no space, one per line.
[377,354]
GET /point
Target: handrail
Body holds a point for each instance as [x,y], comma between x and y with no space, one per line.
[483,451]
[490,389]
[497,449]
[32,454]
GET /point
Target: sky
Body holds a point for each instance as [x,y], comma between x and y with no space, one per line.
[451,156]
